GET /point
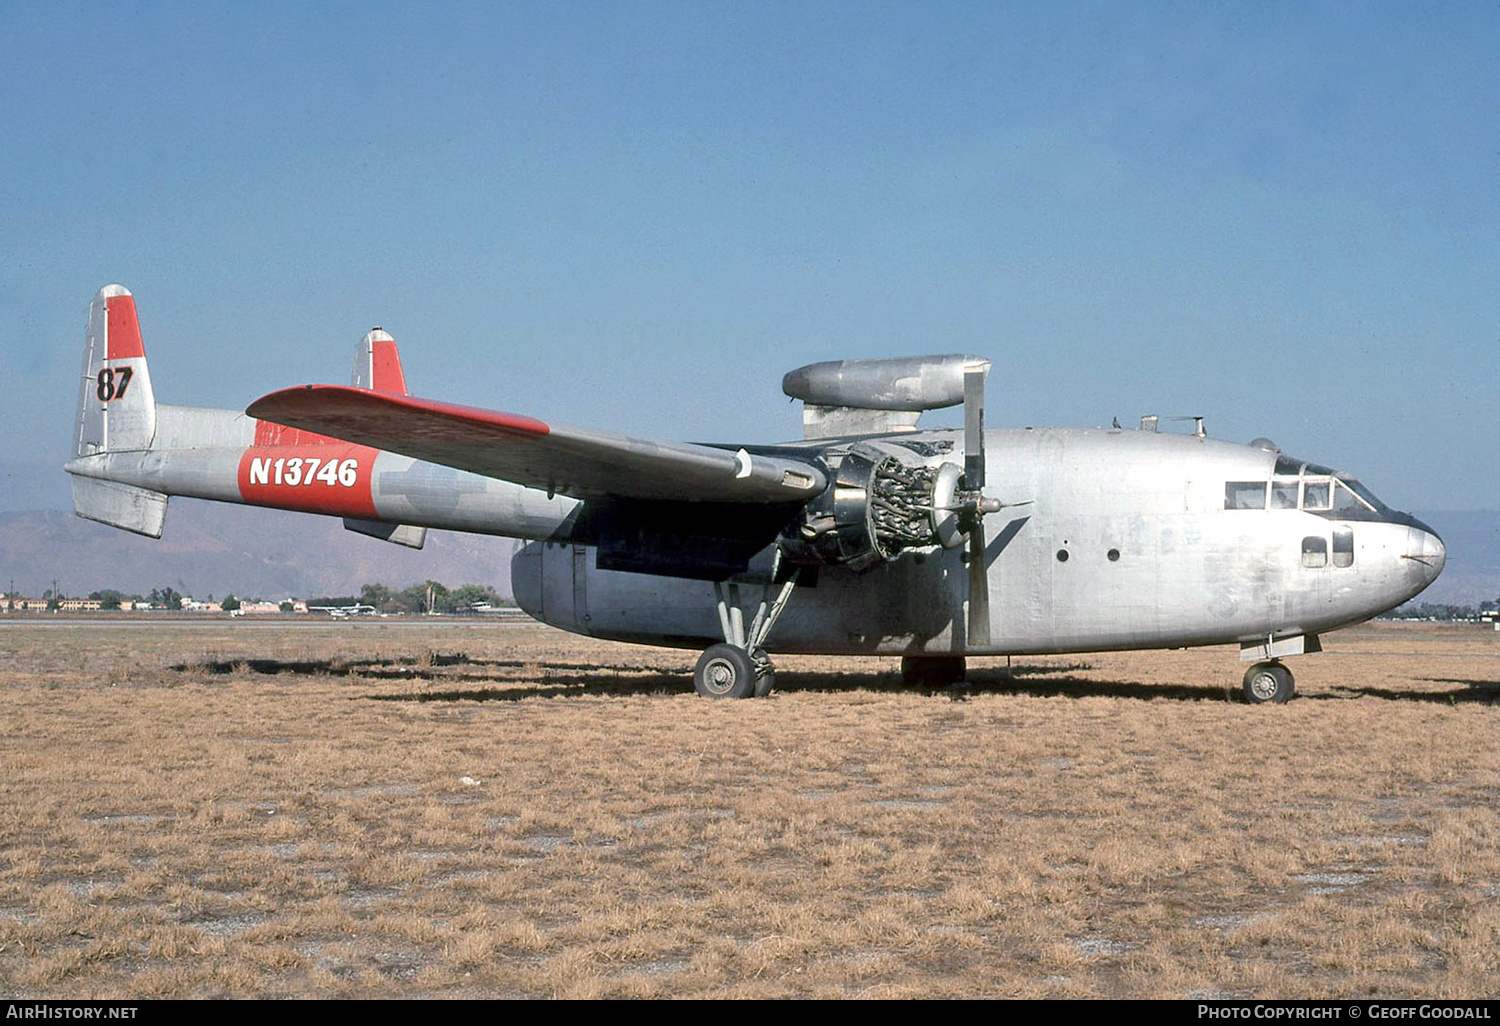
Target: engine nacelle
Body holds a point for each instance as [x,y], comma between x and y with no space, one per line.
[911,383]
[877,506]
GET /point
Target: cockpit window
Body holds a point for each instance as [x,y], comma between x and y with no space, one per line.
[1365,495]
[1346,500]
[1316,495]
[1305,486]
[1245,495]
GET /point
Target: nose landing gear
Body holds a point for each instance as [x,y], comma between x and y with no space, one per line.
[1268,682]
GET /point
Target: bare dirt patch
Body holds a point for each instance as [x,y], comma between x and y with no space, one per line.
[438,809]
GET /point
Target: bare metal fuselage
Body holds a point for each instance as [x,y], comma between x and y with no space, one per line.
[1124,543]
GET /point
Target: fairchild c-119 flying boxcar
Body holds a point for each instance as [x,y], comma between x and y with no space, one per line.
[866,536]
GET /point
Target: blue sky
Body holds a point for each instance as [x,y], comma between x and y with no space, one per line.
[638,216]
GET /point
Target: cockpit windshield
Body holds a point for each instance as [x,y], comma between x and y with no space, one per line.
[1361,492]
[1306,486]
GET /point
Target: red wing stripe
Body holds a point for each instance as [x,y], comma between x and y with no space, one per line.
[325,407]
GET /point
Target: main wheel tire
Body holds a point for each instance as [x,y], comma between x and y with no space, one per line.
[764,684]
[1268,682]
[765,673]
[932,671]
[724,671]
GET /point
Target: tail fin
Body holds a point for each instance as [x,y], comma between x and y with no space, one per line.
[377,363]
[377,366]
[116,412]
[116,408]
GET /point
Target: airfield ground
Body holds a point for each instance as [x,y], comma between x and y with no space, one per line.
[216,808]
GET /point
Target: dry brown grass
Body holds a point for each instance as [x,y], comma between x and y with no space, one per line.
[365,809]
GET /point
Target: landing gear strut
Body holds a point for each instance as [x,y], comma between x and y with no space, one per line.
[1268,682]
[740,668]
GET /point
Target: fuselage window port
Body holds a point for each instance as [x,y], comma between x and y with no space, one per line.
[1245,495]
[1314,551]
[1343,547]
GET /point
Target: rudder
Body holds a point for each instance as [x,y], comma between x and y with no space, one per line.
[116,412]
[116,407]
[377,366]
[377,363]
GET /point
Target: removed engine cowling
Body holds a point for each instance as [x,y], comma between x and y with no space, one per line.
[877,506]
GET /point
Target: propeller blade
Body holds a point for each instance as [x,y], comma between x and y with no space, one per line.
[974,425]
[978,635]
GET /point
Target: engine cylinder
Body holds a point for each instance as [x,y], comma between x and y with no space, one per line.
[875,507]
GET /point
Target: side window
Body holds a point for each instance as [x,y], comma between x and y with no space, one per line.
[1314,551]
[1284,495]
[1316,495]
[1343,547]
[1245,495]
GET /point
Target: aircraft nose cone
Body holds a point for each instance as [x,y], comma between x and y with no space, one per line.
[1425,553]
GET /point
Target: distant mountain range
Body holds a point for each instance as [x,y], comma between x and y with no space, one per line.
[215,549]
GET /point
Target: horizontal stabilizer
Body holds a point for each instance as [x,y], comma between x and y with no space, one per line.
[399,534]
[120,505]
[559,459]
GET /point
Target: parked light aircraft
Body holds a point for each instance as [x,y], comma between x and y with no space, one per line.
[344,612]
[866,536]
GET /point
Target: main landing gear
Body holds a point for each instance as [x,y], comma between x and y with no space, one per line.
[1269,682]
[740,668]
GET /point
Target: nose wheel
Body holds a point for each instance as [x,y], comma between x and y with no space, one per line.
[1268,682]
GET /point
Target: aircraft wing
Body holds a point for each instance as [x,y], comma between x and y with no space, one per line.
[572,461]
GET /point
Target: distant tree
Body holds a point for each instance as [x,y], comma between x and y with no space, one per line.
[466,597]
[386,600]
[416,598]
[230,603]
[166,598]
[333,600]
[288,606]
[1441,611]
